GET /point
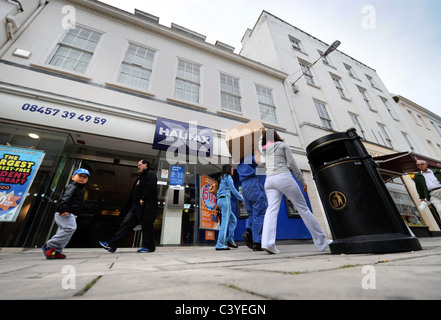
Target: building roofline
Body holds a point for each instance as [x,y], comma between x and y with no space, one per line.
[152,25]
[397,98]
[309,35]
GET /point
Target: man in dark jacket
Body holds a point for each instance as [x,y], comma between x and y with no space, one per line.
[143,207]
[428,184]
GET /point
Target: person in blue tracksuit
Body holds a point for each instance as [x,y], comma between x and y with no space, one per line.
[225,238]
[255,202]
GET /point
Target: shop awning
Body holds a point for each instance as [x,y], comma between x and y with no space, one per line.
[397,164]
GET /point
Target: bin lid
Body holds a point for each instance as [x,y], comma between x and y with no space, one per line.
[335,138]
[397,164]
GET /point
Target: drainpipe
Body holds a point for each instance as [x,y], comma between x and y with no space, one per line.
[15,28]
[287,88]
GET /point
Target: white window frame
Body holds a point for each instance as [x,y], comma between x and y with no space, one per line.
[188,81]
[386,138]
[266,103]
[139,68]
[423,121]
[364,95]
[371,81]
[231,99]
[357,124]
[323,115]
[295,43]
[408,140]
[76,55]
[350,71]
[413,117]
[389,108]
[325,59]
[306,69]
[437,127]
[339,86]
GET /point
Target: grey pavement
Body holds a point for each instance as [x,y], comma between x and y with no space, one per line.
[201,273]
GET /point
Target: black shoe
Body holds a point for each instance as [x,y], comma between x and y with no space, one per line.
[232,245]
[257,247]
[248,237]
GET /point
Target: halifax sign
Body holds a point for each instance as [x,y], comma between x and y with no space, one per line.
[183,138]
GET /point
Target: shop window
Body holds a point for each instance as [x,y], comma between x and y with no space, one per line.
[407,209]
[35,217]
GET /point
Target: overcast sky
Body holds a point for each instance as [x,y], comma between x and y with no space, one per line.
[400,39]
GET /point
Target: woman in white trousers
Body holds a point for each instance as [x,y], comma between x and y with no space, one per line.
[280,163]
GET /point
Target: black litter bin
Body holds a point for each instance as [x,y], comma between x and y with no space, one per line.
[361,213]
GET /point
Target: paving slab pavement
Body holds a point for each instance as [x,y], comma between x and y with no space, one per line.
[201,273]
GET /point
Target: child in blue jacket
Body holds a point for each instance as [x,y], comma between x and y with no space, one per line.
[225,238]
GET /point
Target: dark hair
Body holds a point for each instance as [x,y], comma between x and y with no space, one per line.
[143,161]
[226,168]
[270,135]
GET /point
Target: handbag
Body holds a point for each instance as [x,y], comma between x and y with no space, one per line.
[213,188]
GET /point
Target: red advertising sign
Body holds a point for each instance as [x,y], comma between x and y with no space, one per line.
[208,219]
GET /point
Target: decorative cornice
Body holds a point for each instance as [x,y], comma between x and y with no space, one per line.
[136,21]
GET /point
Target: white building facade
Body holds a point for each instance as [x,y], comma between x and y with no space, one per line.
[93,83]
[336,93]
[93,86]
[425,125]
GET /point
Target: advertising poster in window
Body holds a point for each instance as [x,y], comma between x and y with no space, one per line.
[209,218]
[18,168]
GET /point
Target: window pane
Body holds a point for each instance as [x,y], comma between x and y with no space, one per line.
[187,81]
[230,93]
[266,105]
[76,49]
[137,67]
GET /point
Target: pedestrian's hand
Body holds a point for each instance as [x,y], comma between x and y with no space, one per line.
[305,188]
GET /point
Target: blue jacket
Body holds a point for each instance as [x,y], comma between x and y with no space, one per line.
[226,186]
[247,168]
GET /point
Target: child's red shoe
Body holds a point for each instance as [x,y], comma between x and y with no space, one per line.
[50,253]
[59,255]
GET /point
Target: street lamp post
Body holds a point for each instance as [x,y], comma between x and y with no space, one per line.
[331,48]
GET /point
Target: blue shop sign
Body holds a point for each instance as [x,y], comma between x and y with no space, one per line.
[180,137]
[177,176]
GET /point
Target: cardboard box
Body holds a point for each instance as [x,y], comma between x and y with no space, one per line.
[244,140]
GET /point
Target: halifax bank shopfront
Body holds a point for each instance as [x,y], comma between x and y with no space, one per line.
[43,142]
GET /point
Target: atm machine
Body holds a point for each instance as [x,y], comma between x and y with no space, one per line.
[172,218]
